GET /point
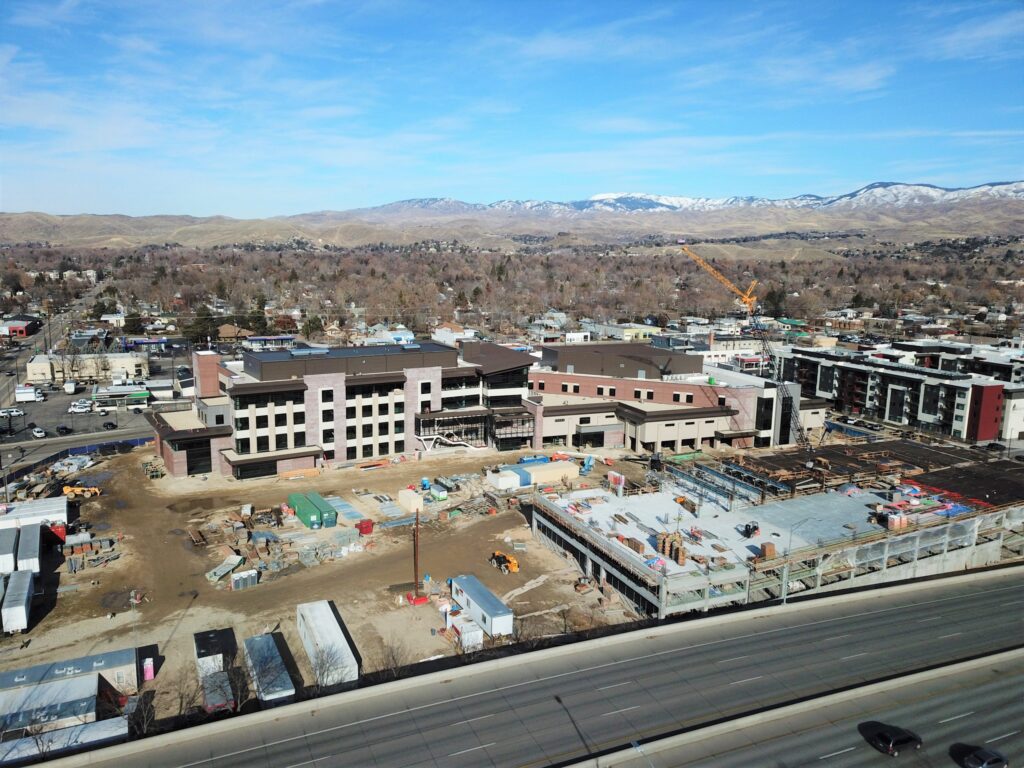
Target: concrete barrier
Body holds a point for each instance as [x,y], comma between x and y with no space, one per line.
[630,754]
[432,679]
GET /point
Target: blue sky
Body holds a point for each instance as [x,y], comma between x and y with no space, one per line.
[266,108]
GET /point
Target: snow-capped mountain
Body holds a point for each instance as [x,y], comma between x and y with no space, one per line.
[885,194]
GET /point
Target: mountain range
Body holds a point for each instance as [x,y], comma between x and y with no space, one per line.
[883,209]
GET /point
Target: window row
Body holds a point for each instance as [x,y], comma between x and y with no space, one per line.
[245,446]
[261,399]
[262,422]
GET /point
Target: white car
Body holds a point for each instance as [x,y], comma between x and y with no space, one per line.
[82,402]
[4,413]
[13,412]
[39,433]
[76,408]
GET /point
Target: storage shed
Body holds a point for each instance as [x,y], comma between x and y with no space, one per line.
[269,675]
[118,669]
[552,472]
[330,657]
[28,549]
[49,706]
[471,636]
[482,605]
[17,603]
[49,511]
[504,480]
[8,548]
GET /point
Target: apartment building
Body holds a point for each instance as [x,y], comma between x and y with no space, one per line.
[284,410]
[964,406]
[692,403]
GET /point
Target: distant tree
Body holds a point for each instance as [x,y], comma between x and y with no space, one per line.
[133,323]
[312,327]
[202,327]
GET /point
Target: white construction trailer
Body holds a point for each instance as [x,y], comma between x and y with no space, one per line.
[330,656]
[8,550]
[17,604]
[482,605]
[28,548]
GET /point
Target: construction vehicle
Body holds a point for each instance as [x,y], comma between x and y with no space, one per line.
[73,492]
[749,300]
[751,529]
[505,563]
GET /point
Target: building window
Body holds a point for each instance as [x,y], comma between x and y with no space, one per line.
[298,418]
[425,387]
[399,427]
[559,420]
[689,397]
[383,409]
[584,419]
[367,430]
[540,385]
[575,389]
[709,421]
[350,412]
[280,419]
[218,420]
[600,390]
[327,416]
[328,455]
[261,422]
[367,451]
[399,446]
[637,394]
[382,449]
[721,400]
[242,446]
[565,387]
[367,411]
[281,442]
[676,397]
[399,408]
[611,391]
[300,439]
[670,425]
[327,396]
[327,436]
[350,453]
[382,428]
[350,433]
[242,423]
[650,394]
[262,444]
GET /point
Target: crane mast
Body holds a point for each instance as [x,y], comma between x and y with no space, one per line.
[749,300]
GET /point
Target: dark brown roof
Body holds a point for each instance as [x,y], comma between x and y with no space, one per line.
[494,358]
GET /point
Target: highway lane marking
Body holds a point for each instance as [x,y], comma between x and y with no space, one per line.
[951,634]
[747,680]
[997,738]
[956,717]
[613,685]
[840,752]
[734,658]
[472,749]
[620,711]
[471,720]
[933,618]
[854,656]
[835,637]
[1013,602]
[605,665]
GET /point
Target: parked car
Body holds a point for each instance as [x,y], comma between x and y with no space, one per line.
[38,433]
[10,373]
[891,740]
[995,447]
[108,425]
[14,412]
[983,757]
[76,408]
[63,429]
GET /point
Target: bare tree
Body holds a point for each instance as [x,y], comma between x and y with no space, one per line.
[322,665]
[184,690]
[395,655]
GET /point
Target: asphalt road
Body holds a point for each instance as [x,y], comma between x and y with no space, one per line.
[545,711]
[979,708]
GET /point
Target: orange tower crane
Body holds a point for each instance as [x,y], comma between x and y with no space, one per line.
[750,302]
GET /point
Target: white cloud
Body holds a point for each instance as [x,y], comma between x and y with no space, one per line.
[994,37]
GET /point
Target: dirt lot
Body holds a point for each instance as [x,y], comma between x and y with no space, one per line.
[161,563]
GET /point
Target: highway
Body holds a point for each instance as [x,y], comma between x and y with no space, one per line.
[977,708]
[558,706]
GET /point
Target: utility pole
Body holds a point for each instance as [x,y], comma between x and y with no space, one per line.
[416,556]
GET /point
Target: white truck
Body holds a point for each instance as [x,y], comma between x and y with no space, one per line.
[26,393]
[70,386]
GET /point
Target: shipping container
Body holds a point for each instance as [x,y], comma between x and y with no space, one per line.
[482,605]
[28,549]
[331,659]
[545,474]
[310,508]
[17,603]
[269,675]
[437,493]
[330,519]
[8,548]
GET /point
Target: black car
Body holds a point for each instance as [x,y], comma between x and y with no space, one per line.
[985,758]
[995,447]
[63,429]
[108,425]
[891,739]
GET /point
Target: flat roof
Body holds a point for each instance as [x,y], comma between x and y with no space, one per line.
[335,353]
[60,670]
[182,420]
[487,600]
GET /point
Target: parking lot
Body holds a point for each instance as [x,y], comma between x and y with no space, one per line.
[54,412]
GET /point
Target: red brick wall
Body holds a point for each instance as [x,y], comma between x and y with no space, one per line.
[302,462]
[703,395]
[204,368]
[986,412]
